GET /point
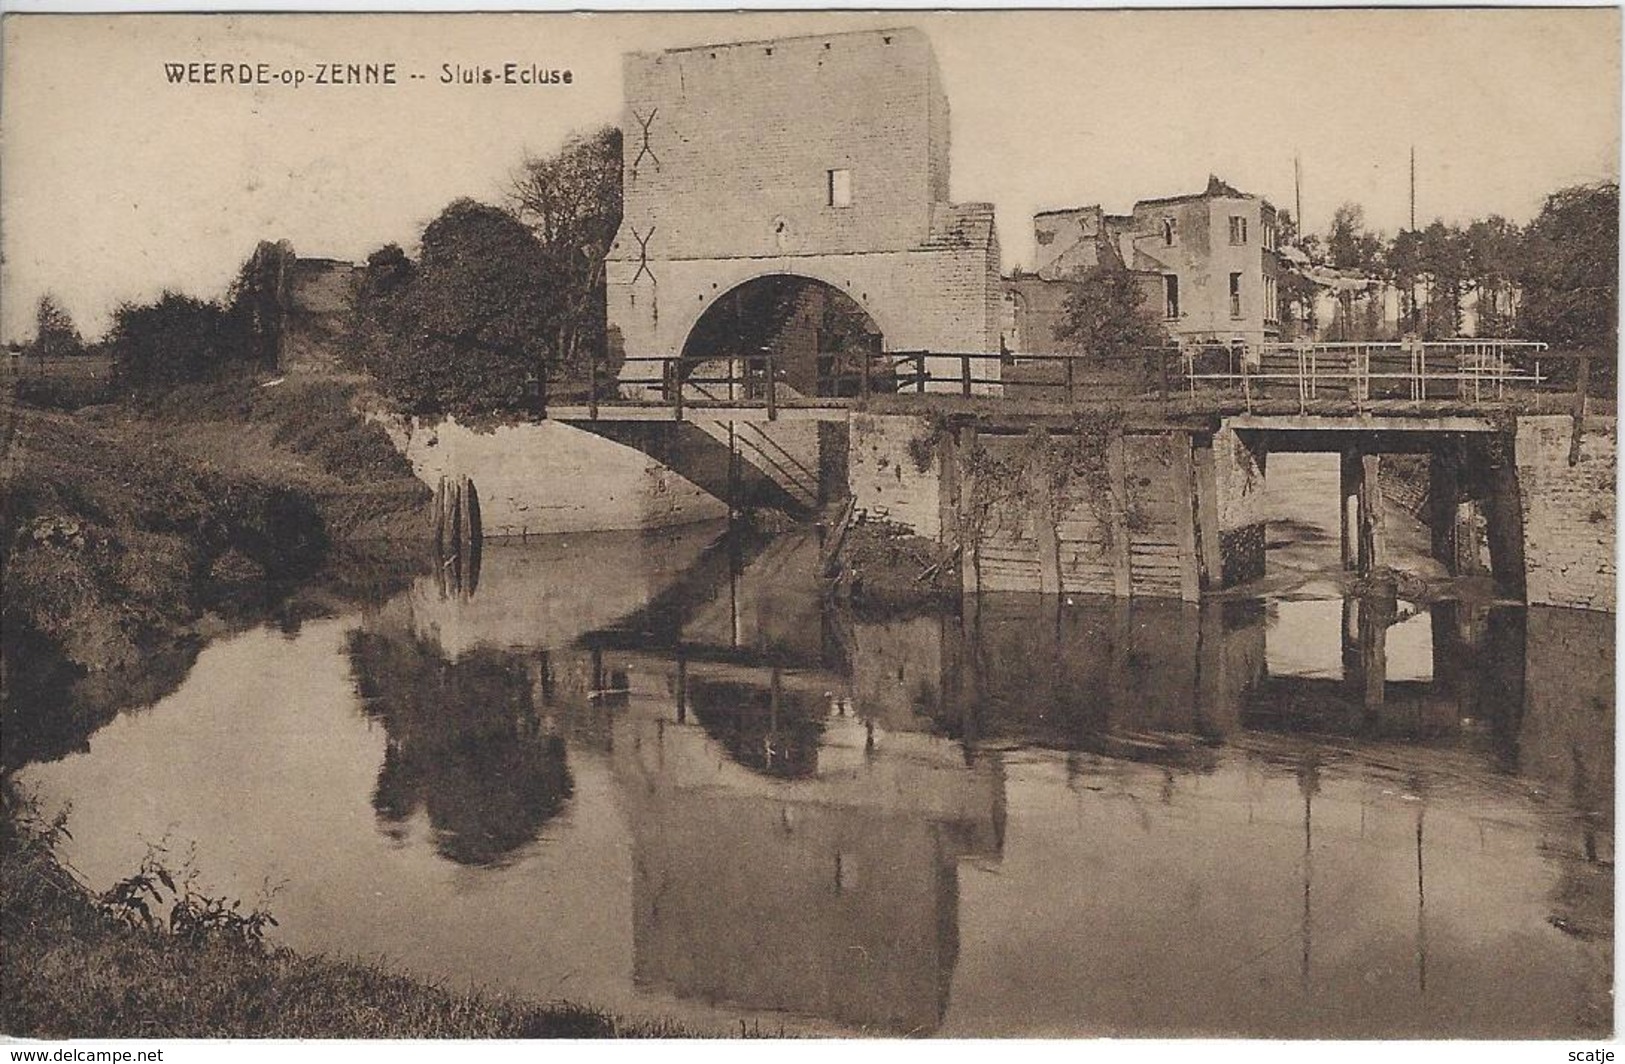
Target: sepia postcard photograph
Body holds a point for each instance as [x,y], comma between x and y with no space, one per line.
[1046,524]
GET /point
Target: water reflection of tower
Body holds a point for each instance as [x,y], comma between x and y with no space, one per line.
[832,893]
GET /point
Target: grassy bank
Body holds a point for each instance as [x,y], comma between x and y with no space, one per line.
[305,433]
[130,532]
[75,968]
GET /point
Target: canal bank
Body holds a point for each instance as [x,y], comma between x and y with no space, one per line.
[135,532]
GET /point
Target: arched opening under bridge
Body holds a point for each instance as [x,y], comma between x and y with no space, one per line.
[818,339]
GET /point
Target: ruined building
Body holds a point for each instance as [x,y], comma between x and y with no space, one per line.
[758,173]
[1209,262]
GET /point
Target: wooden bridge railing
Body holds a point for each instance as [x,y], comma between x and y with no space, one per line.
[1471,371]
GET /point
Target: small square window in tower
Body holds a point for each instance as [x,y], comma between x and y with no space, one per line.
[1238,229]
[840,188]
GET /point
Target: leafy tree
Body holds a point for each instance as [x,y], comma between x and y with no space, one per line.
[389,272]
[1286,228]
[176,339]
[1105,315]
[1348,245]
[1403,259]
[54,333]
[1442,255]
[465,329]
[1298,294]
[571,201]
[1493,249]
[1570,269]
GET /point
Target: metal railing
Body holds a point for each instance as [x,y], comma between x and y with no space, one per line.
[1463,370]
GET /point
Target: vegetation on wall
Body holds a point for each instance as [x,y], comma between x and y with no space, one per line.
[181,339]
[1044,473]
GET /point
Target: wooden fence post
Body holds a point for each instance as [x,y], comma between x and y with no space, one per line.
[1373,546]
[592,386]
[772,389]
[1582,384]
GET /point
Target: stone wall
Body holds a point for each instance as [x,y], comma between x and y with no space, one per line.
[744,134]
[701,216]
[894,472]
[321,294]
[1568,511]
[541,477]
[1238,468]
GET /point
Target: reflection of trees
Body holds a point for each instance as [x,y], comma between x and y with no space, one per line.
[766,729]
[464,744]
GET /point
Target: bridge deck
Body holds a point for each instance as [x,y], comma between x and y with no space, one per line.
[1364,422]
[1444,386]
[823,410]
[1180,410]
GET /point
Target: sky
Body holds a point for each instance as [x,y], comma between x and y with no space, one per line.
[115,184]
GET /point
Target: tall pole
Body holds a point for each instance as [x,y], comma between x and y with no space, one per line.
[1416,309]
[1297,192]
[1413,188]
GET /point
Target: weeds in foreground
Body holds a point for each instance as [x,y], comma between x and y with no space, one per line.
[78,964]
[139,901]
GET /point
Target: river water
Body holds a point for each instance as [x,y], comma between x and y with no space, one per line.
[658,773]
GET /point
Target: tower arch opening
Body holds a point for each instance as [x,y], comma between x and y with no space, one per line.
[817,339]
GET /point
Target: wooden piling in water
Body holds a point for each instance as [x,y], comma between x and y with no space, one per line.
[1117,472]
[440,519]
[1373,553]
[1184,478]
[1348,488]
[1444,491]
[1207,517]
[1044,520]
